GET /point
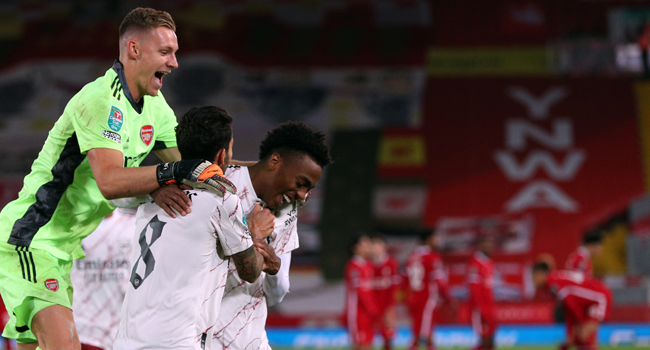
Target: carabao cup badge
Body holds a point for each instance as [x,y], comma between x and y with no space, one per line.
[115,119]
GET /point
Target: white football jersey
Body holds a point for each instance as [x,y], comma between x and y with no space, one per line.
[100,279]
[179,273]
[242,318]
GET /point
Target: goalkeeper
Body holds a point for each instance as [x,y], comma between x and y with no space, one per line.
[92,155]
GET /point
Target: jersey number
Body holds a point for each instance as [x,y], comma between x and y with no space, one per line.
[145,253]
[415,273]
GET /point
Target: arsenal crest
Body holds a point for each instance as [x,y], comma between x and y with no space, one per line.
[52,284]
[146,134]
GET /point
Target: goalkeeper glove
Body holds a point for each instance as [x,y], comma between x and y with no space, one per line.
[196,173]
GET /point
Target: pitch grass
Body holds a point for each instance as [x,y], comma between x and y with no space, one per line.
[518,348]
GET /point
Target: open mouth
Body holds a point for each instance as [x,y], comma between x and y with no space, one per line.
[160,74]
[286,198]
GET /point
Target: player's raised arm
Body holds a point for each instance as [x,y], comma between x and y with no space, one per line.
[250,262]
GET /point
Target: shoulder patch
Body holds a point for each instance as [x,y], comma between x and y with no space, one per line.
[112,136]
[115,119]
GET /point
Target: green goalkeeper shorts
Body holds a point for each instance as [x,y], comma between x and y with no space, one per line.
[30,281]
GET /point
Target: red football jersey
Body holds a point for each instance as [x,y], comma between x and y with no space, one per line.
[358,285]
[386,278]
[580,260]
[425,276]
[480,277]
[583,297]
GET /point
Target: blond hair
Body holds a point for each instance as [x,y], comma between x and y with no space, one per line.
[145,18]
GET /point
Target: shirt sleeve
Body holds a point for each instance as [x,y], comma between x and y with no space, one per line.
[97,124]
[165,135]
[228,221]
[277,286]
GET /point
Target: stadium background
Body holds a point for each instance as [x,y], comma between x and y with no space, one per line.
[528,119]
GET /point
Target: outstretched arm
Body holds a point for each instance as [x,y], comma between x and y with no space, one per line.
[116,181]
[277,286]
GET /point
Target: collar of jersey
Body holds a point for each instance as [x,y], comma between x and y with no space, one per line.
[119,69]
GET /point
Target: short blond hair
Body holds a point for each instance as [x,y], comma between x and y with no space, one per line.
[145,18]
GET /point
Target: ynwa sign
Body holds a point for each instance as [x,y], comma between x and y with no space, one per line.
[565,151]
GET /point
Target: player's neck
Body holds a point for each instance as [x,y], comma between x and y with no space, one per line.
[256,172]
[129,73]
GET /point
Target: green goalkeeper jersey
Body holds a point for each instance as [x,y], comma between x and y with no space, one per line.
[60,202]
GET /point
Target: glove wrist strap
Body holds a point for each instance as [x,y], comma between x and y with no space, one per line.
[165,174]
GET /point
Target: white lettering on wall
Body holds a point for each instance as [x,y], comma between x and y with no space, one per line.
[536,192]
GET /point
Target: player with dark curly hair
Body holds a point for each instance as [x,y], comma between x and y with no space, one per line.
[292,158]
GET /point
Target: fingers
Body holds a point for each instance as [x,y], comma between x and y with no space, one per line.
[167,209]
[172,198]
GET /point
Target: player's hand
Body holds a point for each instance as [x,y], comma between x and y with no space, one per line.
[172,197]
[196,173]
[260,222]
[271,261]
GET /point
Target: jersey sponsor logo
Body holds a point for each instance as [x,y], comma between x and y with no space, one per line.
[52,284]
[112,136]
[115,119]
[146,134]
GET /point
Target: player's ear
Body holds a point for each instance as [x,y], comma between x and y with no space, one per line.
[220,158]
[133,49]
[275,161]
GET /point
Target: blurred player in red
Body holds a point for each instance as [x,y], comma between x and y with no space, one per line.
[586,303]
[360,308]
[580,259]
[480,278]
[427,282]
[386,280]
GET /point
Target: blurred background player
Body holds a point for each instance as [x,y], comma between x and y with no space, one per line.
[292,158]
[427,282]
[386,279]
[480,278]
[101,278]
[585,301]
[361,309]
[580,259]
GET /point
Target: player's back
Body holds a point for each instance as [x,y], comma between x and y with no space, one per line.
[178,275]
[587,292]
[419,269]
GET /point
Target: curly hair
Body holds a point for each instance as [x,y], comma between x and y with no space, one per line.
[145,18]
[297,138]
[203,131]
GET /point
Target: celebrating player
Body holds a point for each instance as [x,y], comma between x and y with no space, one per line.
[427,282]
[101,278]
[385,281]
[292,158]
[361,310]
[580,260]
[586,303]
[181,265]
[92,154]
[481,299]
